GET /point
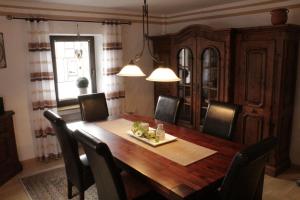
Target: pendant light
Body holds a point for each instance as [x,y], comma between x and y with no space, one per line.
[160,74]
[131,69]
[163,74]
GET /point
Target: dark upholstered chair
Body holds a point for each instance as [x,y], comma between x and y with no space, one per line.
[220,119]
[110,183]
[246,173]
[167,109]
[77,167]
[93,107]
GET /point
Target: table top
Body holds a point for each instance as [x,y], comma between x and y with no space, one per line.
[172,180]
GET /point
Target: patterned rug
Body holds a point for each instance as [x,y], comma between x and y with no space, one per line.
[52,185]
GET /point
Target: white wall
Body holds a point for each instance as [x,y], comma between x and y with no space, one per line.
[261,19]
[139,92]
[13,83]
[14,79]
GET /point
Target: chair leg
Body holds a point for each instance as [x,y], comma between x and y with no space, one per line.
[81,195]
[69,190]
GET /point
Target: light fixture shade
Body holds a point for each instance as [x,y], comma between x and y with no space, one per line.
[163,74]
[131,70]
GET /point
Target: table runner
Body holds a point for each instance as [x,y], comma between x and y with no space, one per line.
[179,151]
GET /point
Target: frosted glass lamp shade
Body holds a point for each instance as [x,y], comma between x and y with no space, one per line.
[131,70]
[163,74]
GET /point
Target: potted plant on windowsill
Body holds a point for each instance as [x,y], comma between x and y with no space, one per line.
[82,84]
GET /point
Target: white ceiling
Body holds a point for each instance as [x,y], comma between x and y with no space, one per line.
[155,6]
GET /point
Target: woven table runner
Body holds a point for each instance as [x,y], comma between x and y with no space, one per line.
[179,151]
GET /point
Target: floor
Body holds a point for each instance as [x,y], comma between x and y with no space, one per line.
[282,187]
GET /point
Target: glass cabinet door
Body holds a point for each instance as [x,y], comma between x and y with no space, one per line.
[210,79]
[185,65]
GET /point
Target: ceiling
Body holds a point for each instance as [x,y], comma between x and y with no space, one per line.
[155,6]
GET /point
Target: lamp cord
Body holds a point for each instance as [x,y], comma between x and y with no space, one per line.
[145,36]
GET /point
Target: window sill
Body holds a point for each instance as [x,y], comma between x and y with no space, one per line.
[68,108]
[70,113]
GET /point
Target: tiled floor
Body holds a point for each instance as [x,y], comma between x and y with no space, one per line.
[279,188]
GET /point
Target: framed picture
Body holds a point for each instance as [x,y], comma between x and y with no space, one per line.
[2,52]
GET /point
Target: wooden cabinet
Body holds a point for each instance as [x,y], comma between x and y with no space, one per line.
[201,58]
[265,71]
[253,67]
[254,89]
[9,162]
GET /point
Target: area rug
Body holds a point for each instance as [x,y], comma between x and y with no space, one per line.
[52,185]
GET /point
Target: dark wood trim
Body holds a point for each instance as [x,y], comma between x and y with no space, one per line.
[90,40]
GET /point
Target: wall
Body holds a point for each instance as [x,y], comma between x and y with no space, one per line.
[139,92]
[13,83]
[261,19]
[14,79]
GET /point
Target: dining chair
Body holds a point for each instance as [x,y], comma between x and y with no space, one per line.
[167,109]
[110,183]
[246,173]
[93,107]
[220,119]
[77,167]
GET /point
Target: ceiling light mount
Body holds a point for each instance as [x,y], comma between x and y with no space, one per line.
[133,70]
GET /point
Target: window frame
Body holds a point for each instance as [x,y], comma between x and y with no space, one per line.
[64,38]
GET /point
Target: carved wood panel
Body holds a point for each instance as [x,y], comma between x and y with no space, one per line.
[255,72]
[252,126]
[254,87]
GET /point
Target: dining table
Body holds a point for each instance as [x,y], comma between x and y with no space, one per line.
[170,172]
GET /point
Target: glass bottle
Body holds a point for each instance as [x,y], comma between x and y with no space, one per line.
[160,132]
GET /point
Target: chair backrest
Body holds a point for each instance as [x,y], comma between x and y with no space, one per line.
[220,119]
[93,107]
[68,146]
[107,177]
[247,171]
[167,109]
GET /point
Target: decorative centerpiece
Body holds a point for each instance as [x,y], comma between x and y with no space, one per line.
[279,16]
[141,129]
[154,137]
[82,84]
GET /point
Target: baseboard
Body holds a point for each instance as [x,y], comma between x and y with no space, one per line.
[294,166]
[276,170]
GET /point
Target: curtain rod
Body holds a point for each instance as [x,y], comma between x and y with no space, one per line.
[105,21]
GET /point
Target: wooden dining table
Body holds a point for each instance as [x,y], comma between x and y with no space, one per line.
[170,179]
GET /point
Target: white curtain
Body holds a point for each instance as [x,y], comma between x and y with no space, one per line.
[42,89]
[112,85]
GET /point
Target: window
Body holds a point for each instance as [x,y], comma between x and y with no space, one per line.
[73,57]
